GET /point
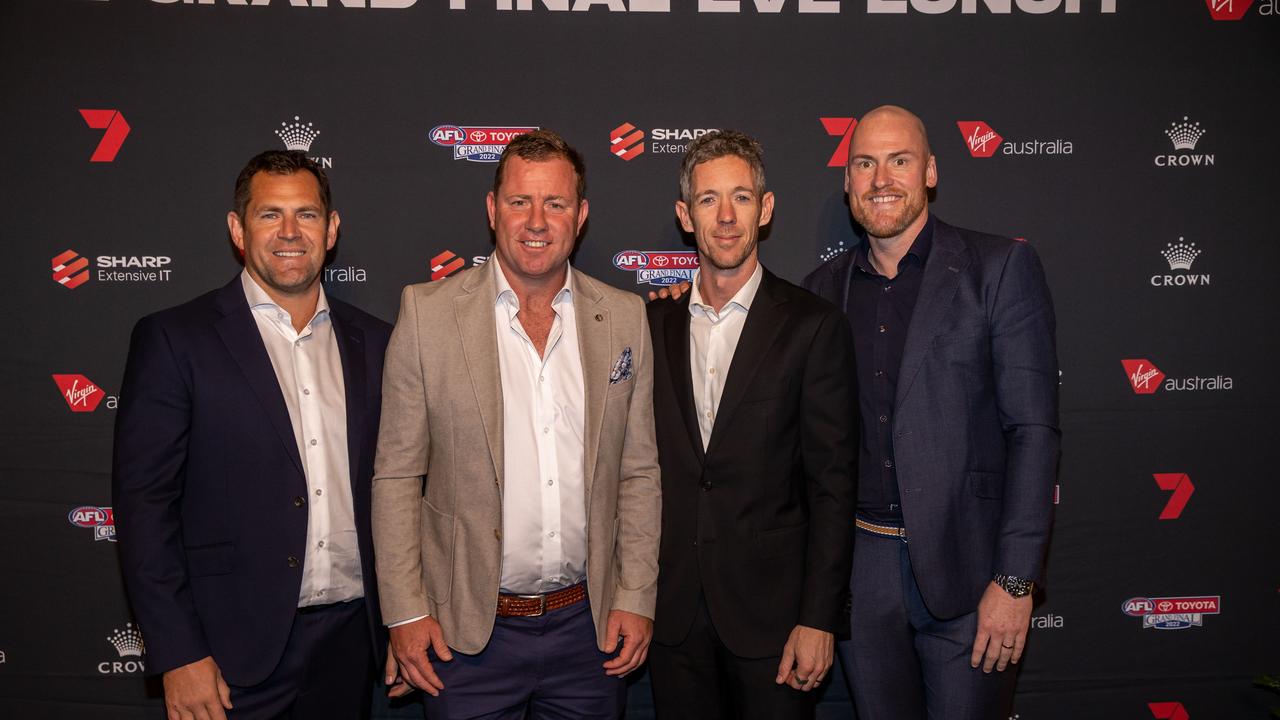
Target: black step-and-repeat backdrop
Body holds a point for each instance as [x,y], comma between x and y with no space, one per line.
[1132,142]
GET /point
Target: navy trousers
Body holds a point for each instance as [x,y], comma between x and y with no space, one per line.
[533,667]
[901,662]
[326,670]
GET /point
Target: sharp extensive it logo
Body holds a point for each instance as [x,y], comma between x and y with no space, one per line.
[1184,136]
[1172,613]
[116,131]
[841,127]
[1144,377]
[626,141]
[1180,257]
[101,519]
[476,143]
[70,270]
[1228,9]
[1180,484]
[128,644]
[979,137]
[81,394]
[658,267]
[445,264]
[1168,711]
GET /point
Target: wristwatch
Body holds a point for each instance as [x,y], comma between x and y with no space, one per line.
[1015,586]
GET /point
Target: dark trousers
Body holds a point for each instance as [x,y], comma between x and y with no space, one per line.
[533,667]
[700,679]
[326,670]
[901,662]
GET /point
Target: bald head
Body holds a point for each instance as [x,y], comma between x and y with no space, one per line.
[889,174]
[896,120]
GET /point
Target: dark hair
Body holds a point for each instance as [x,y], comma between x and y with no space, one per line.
[278,162]
[538,146]
[718,144]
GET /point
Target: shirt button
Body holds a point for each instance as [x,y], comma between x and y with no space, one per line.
[320,544]
[551,534]
[299,501]
[881,328]
[313,442]
[706,484]
[541,379]
[546,430]
[884,418]
[887,288]
[319,491]
[306,391]
[708,414]
[888,463]
[879,373]
[711,371]
[550,482]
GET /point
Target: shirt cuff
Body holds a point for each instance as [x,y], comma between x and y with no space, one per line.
[406,622]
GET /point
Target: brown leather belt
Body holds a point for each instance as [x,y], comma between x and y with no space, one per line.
[883,530]
[534,605]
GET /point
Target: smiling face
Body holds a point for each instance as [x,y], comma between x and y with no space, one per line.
[889,173]
[284,233]
[536,216]
[725,212]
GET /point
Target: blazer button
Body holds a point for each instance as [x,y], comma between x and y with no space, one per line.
[293,561]
[299,501]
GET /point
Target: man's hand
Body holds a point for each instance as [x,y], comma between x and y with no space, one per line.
[806,658]
[396,685]
[409,646]
[1002,629]
[196,692]
[635,631]
[670,291]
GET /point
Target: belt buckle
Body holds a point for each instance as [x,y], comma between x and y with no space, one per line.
[542,604]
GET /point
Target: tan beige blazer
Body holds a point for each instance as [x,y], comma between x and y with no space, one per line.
[438,476]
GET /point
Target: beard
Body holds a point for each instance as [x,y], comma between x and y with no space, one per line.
[880,225]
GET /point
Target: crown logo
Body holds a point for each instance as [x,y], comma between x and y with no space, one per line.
[1184,135]
[832,252]
[127,642]
[1180,256]
[296,135]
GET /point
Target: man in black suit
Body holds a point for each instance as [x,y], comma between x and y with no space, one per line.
[757,441]
[241,480]
[954,338]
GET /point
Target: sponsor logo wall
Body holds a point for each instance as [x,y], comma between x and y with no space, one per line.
[1144,186]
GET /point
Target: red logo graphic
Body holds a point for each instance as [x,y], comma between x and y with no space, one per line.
[979,137]
[1168,711]
[626,141]
[1228,9]
[101,519]
[445,264]
[69,269]
[1143,375]
[116,131]
[81,394]
[843,129]
[1182,488]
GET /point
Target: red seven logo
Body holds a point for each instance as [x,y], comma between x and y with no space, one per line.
[1180,484]
[843,129]
[116,131]
[1168,711]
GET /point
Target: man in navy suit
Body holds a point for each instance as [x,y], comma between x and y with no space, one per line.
[242,471]
[954,340]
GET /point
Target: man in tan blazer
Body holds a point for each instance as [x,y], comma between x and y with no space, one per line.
[516,498]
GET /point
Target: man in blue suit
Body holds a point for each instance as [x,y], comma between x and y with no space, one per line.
[242,471]
[957,369]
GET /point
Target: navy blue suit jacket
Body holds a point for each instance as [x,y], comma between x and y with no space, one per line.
[975,428]
[208,487]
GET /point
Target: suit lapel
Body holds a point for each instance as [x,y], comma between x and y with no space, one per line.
[676,328]
[350,341]
[595,333]
[239,333]
[474,312]
[764,322]
[941,278]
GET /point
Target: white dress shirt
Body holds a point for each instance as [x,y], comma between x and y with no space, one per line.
[713,338]
[544,514]
[309,371]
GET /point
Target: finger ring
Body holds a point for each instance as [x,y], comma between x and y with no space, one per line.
[800,679]
[1007,647]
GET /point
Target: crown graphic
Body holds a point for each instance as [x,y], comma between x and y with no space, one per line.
[831,252]
[1184,135]
[1180,256]
[296,135]
[127,642]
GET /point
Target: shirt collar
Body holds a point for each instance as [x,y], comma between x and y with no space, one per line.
[743,298]
[258,298]
[508,295]
[917,253]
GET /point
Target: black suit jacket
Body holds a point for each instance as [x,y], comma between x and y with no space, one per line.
[762,521]
[975,426]
[208,488]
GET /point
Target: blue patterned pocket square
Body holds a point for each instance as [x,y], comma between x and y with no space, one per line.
[621,371]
